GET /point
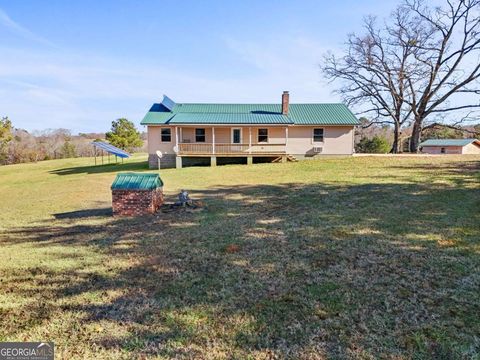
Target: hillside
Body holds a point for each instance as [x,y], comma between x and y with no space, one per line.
[362,257]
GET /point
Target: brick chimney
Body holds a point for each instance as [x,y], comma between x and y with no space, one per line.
[285,101]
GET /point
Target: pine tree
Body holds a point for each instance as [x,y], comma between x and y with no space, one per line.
[124,135]
[5,137]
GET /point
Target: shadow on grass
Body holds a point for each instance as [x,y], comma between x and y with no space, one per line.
[101,212]
[454,171]
[96,169]
[292,270]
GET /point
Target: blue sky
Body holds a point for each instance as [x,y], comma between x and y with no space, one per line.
[79,65]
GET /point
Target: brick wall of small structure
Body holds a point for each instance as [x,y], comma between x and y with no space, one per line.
[167,161]
[136,202]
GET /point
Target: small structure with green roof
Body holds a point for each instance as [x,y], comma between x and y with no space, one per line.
[136,193]
[186,132]
[450,146]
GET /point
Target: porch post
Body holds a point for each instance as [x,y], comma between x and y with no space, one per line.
[178,159]
[213,140]
[286,138]
[249,140]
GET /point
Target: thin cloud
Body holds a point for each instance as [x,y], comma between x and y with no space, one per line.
[85,92]
[288,63]
[7,22]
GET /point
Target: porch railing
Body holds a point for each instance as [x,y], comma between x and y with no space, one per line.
[184,148]
[269,148]
[230,149]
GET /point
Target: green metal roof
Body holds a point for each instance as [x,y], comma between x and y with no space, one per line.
[447,142]
[136,181]
[156,117]
[299,114]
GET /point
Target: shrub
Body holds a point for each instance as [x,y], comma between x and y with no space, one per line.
[375,145]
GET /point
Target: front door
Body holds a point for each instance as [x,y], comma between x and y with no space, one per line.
[236,136]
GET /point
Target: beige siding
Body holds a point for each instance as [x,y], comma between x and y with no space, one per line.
[438,149]
[276,135]
[338,140]
[154,141]
[471,149]
[188,134]
[223,136]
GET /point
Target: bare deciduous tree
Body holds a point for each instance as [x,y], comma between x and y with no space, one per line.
[408,69]
[449,60]
[374,72]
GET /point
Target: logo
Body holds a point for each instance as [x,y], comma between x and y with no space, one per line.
[26,351]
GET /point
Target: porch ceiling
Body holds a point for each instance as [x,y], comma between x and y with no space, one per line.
[241,119]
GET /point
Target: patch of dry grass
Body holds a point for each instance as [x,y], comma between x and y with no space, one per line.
[340,258]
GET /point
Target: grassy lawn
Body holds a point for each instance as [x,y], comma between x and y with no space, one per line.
[359,258]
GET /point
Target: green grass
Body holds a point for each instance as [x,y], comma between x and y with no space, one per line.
[365,258]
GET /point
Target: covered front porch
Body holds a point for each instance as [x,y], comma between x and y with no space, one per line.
[231,141]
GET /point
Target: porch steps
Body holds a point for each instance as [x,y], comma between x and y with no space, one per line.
[290,158]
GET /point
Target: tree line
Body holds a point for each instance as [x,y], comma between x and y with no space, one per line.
[20,146]
[417,69]
[371,137]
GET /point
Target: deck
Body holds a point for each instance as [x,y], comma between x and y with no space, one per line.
[230,149]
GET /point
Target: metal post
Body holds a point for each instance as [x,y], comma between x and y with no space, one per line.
[102,157]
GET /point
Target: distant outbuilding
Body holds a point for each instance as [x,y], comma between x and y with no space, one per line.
[450,146]
[136,194]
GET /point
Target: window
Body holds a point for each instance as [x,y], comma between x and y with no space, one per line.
[166,135]
[199,135]
[262,135]
[317,135]
[442,150]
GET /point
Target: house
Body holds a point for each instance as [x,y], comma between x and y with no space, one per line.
[187,133]
[450,146]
